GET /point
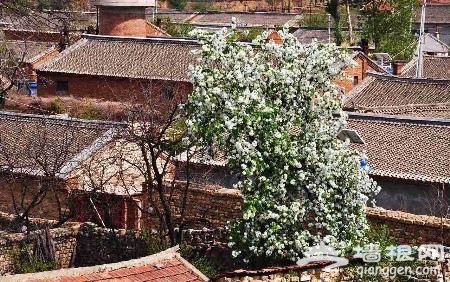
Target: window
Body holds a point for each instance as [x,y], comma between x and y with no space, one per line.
[62,86]
[355,80]
[167,92]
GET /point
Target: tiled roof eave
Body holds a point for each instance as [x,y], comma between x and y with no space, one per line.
[42,71]
[410,176]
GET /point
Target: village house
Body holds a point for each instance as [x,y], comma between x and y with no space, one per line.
[408,159]
[44,163]
[354,75]
[120,63]
[31,54]
[432,67]
[437,20]
[396,95]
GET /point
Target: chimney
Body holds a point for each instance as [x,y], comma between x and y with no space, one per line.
[365,46]
[122,17]
[397,68]
[436,34]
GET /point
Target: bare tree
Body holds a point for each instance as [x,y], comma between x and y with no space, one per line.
[35,155]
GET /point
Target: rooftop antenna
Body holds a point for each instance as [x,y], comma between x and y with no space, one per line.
[419,68]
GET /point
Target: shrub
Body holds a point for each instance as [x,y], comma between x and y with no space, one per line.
[26,260]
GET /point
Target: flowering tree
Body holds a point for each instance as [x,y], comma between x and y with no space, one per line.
[270,108]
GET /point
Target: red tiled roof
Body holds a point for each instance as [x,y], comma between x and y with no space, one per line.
[166,266]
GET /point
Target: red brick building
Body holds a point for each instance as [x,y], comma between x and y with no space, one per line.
[118,68]
[355,75]
[120,63]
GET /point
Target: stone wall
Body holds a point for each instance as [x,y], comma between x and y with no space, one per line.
[64,241]
[411,228]
[78,245]
[99,246]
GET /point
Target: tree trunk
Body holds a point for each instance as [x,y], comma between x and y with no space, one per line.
[350,26]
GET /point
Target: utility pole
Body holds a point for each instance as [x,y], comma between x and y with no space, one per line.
[329,28]
[419,69]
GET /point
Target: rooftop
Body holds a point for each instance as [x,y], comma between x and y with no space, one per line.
[32,143]
[384,92]
[31,51]
[166,266]
[159,58]
[435,13]
[404,147]
[433,67]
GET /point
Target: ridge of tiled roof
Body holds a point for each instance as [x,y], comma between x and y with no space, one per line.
[404,147]
[426,111]
[272,270]
[158,29]
[162,58]
[387,90]
[371,62]
[164,266]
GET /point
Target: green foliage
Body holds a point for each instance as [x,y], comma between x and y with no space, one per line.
[390,31]
[154,244]
[338,35]
[178,4]
[314,20]
[249,35]
[175,29]
[203,6]
[26,261]
[200,262]
[57,106]
[380,235]
[88,110]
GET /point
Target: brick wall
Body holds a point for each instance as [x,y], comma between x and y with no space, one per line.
[14,34]
[354,76]
[206,206]
[107,88]
[13,187]
[122,21]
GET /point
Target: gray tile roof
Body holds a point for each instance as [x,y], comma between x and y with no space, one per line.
[143,58]
[405,147]
[435,14]
[26,140]
[307,35]
[433,67]
[378,92]
[31,50]
[426,111]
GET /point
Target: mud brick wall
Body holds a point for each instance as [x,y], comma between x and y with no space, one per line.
[206,206]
